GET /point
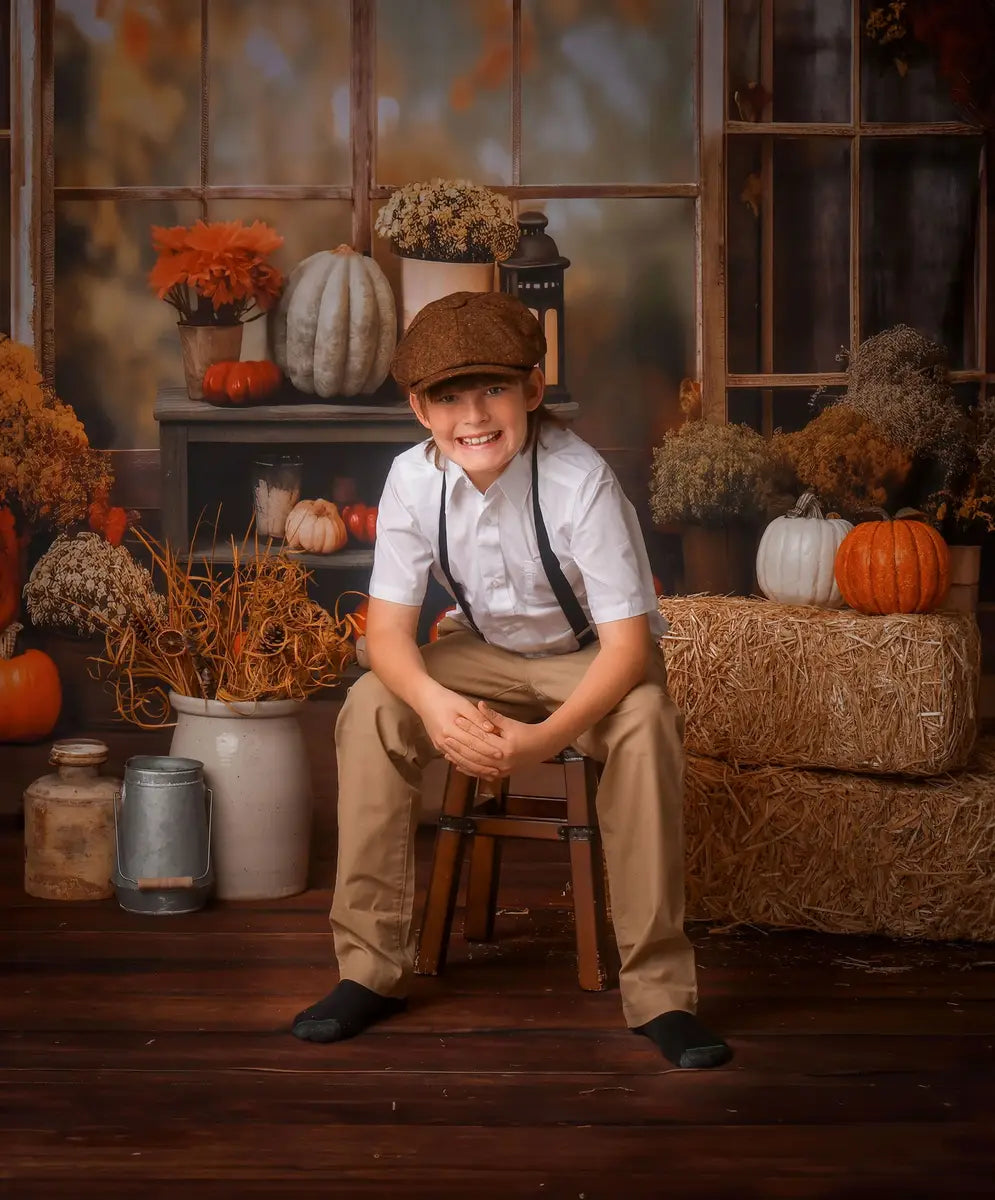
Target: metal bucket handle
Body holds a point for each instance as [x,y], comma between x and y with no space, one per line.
[156,883]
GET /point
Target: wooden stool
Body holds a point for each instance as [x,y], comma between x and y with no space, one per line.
[487,812]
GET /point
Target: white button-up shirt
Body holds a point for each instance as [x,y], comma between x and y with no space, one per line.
[493,552]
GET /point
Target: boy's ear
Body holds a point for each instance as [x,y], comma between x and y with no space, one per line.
[534,387]
[416,403]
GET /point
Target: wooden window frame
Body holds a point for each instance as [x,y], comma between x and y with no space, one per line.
[855,131]
[35,233]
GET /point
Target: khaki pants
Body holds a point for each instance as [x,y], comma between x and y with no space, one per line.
[382,747]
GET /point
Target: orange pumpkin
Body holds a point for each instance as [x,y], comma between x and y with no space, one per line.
[899,565]
[241,382]
[10,569]
[30,694]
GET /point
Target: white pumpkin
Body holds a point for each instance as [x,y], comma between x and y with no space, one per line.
[315,527]
[797,554]
[335,328]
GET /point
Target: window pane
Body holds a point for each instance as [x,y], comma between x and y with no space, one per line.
[914,93]
[116,342]
[811,56]
[628,322]
[919,202]
[608,92]
[127,93]
[443,90]
[279,92]
[811,288]
[5,279]
[811,60]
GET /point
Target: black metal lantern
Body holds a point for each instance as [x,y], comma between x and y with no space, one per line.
[534,274]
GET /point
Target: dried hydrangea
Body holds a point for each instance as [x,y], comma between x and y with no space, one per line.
[85,574]
[846,460]
[449,220]
[899,380]
[706,473]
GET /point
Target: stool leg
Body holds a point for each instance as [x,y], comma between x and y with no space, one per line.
[586,870]
[482,877]
[443,885]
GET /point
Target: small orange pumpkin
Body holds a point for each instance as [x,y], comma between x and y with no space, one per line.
[894,565]
[241,382]
[30,692]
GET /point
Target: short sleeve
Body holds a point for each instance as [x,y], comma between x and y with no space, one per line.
[607,545]
[403,554]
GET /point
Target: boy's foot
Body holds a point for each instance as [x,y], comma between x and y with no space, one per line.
[347,1010]
[684,1040]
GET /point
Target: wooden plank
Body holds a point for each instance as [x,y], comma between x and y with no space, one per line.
[25,173]
[893,1157]
[767,219]
[362,97]
[137,481]
[206,192]
[223,1099]
[856,41]
[710,217]
[175,484]
[516,93]
[817,378]
[547,1052]
[879,129]
[142,1004]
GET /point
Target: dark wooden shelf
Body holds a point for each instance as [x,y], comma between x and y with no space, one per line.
[351,558]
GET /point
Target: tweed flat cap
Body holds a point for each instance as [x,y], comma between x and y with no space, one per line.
[465,333]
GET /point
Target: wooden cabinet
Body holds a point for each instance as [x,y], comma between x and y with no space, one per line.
[207,451]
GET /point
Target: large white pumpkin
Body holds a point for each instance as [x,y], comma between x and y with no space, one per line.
[335,328]
[797,554]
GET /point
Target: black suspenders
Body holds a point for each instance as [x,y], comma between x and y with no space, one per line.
[565,597]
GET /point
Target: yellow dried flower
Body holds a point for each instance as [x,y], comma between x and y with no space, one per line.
[48,472]
[707,473]
[845,459]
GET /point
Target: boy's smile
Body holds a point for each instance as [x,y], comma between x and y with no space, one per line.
[480,425]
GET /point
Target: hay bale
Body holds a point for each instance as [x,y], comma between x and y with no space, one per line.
[843,853]
[794,685]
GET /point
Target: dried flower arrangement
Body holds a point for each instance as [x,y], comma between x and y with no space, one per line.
[449,220]
[237,633]
[959,34]
[846,459]
[705,473]
[215,273]
[83,583]
[49,475]
[965,510]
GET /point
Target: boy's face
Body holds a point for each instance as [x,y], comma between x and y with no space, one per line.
[480,425]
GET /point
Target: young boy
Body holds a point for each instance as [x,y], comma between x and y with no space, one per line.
[554,644]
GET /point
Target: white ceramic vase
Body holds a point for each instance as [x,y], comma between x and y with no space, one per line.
[255,763]
[424,280]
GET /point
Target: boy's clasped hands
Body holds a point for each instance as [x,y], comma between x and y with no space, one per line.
[481,742]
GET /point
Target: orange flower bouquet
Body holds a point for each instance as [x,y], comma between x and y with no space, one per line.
[216,273]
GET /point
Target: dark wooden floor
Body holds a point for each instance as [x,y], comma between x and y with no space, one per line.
[149,1057]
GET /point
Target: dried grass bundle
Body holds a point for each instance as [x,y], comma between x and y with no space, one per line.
[843,853]
[243,632]
[796,685]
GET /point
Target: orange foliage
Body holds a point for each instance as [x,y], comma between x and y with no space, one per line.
[223,263]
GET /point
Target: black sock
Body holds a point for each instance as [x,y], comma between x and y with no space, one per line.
[347,1010]
[684,1040]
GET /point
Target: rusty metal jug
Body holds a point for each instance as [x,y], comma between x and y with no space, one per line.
[69,825]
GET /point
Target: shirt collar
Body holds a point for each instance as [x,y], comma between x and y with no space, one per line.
[514,481]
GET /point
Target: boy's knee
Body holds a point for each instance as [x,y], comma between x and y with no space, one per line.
[364,700]
[649,709]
